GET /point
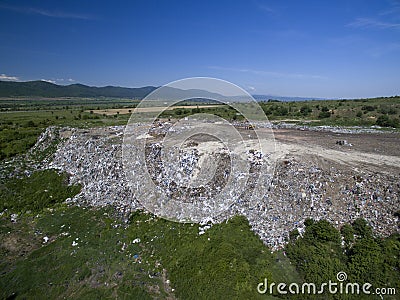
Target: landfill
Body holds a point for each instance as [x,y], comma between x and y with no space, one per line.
[301,187]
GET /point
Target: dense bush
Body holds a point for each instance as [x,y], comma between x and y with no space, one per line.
[319,255]
[280,110]
[14,141]
[368,108]
[324,114]
[40,190]
[227,262]
[387,110]
[305,110]
[324,109]
[386,121]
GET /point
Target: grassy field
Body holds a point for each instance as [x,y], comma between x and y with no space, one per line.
[39,103]
[20,129]
[359,112]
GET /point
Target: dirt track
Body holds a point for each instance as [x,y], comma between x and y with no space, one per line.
[377,143]
[376,152]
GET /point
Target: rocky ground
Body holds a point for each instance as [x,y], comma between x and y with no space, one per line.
[319,178]
[331,174]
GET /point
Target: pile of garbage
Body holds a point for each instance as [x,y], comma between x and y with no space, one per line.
[302,187]
[92,158]
[328,128]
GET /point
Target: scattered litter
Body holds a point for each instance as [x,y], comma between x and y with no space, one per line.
[344,143]
[14,218]
[300,188]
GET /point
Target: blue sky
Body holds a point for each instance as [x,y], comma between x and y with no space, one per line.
[341,49]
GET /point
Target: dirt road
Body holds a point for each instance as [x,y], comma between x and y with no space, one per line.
[376,152]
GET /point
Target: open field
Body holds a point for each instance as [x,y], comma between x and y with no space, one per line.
[42,103]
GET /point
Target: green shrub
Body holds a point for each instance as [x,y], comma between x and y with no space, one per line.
[40,190]
[385,121]
[305,110]
[368,108]
[324,114]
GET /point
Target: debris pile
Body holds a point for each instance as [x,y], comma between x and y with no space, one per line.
[303,186]
[302,189]
[93,159]
[343,143]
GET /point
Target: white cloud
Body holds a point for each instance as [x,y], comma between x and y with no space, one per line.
[393,10]
[59,80]
[48,80]
[372,23]
[58,14]
[47,13]
[8,78]
[268,9]
[270,73]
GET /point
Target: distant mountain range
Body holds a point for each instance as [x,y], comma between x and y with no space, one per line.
[46,89]
[50,90]
[283,98]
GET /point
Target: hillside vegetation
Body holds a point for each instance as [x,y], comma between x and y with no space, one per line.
[47,89]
